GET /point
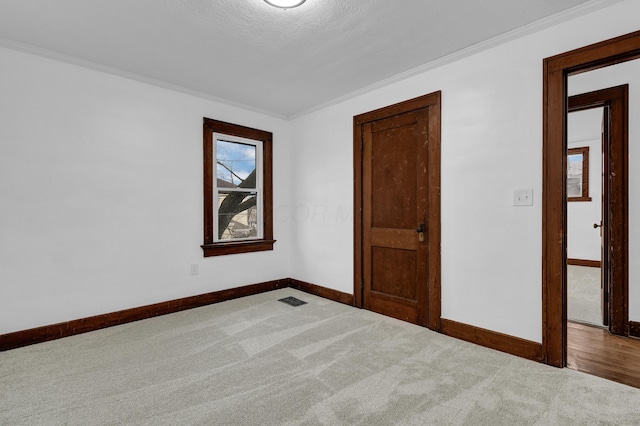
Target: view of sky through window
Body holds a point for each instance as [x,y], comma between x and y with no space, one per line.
[575,165]
[235,161]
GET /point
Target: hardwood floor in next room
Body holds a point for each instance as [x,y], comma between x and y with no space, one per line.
[595,351]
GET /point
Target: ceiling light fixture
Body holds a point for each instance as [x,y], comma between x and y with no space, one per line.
[285,4]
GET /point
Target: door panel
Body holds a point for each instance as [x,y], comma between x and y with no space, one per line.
[387,278]
[394,205]
[394,167]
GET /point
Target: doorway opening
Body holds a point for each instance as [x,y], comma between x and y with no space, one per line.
[557,69]
[599,296]
[587,294]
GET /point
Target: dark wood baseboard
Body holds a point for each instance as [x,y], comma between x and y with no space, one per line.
[493,340]
[634,329]
[584,262]
[64,329]
[327,293]
[479,336]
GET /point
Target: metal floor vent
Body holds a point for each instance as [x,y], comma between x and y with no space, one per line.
[292,301]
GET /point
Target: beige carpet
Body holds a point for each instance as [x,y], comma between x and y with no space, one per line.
[257,361]
[583,293]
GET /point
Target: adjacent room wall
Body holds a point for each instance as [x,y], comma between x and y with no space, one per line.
[583,240]
[491,145]
[101,194]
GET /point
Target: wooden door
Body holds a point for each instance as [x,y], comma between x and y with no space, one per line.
[605,265]
[399,220]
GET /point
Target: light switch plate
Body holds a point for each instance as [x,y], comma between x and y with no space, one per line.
[523,197]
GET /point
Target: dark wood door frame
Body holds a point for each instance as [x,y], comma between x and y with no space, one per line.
[556,70]
[433,103]
[615,102]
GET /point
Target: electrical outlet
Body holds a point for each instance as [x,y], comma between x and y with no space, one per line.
[523,197]
[195,269]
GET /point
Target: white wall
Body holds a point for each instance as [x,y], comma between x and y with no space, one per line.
[584,129]
[101,194]
[625,73]
[491,145]
[101,204]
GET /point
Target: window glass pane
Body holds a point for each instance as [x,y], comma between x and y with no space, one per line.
[574,175]
[237,215]
[574,187]
[235,164]
[574,165]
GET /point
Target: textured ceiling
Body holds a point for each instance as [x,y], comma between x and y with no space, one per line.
[246,52]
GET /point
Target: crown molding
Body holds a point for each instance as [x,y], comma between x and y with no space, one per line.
[96,66]
[518,33]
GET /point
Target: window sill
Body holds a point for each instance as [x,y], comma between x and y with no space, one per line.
[579,199]
[220,249]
